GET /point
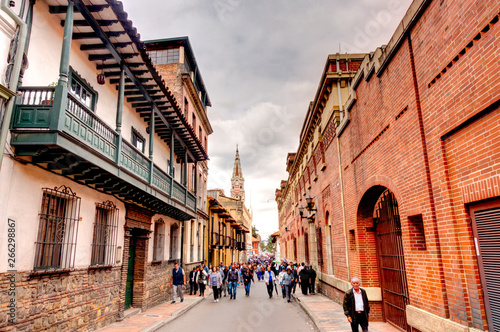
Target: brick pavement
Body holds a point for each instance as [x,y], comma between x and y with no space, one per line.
[329,315]
[155,317]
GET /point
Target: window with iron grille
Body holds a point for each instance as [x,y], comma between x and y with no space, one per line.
[159,241]
[57,230]
[105,234]
[198,241]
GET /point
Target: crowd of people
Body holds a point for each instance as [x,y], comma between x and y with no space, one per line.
[224,279]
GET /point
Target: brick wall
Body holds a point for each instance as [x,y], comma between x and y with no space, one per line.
[427,128]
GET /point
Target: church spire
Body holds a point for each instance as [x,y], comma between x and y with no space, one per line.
[237,180]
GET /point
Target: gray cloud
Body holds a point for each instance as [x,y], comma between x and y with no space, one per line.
[261,61]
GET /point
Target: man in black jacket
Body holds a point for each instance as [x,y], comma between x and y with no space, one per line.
[312,280]
[304,280]
[356,306]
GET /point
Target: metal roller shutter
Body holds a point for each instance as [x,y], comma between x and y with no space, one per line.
[488,242]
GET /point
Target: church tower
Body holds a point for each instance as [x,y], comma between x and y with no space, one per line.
[237,180]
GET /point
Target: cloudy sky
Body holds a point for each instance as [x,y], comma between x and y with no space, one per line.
[261,61]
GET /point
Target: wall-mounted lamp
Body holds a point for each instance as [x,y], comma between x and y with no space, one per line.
[310,208]
[310,203]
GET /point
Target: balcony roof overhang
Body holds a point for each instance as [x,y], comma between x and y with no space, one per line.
[112,42]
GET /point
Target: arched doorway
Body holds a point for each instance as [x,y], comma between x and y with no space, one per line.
[391,261]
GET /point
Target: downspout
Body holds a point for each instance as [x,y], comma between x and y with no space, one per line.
[16,70]
[341,181]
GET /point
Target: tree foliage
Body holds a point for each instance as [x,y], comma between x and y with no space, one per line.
[255,231]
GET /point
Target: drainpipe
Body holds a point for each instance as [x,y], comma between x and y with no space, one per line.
[16,70]
[341,181]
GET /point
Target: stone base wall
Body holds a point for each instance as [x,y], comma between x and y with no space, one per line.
[80,300]
[157,283]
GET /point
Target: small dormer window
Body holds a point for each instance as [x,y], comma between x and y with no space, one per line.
[170,55]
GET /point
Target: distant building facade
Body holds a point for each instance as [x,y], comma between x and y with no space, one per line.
[397,172]
[175,61]
[236,207]
[225,234]
[256,244]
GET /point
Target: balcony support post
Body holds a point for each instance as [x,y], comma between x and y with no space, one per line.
[195,184]
[184,181]
[151,143]
[119,115]
[61,90]
[172,146]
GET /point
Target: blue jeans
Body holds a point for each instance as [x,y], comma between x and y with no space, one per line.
[232,288]
[247,288]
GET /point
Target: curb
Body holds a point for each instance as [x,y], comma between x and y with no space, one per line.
[310,313]
[155,326]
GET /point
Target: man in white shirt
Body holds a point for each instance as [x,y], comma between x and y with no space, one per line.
[356,306]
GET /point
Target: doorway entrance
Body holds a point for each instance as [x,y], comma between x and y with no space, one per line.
[391,260]
[129,286]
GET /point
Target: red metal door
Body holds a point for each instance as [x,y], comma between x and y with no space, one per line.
[391,260]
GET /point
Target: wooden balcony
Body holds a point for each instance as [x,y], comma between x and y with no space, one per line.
[74,142]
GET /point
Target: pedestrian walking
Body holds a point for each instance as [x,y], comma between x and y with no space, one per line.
[221,272]
[287,283]
[201,278]
[177,282]
[312,280]
[269,278]
[215,283]
[232,281]
[280,280]
[247,280]
[295,280]
[224,280]
[193,285]
[356,306]
[304,280]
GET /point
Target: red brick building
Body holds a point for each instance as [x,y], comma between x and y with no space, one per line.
[403,173]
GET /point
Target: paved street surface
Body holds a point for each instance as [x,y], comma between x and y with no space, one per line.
[245,314]
[329,315]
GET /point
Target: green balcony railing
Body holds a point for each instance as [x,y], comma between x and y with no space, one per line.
[35,110]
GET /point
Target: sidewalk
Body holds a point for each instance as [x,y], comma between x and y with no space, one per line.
[328,316]
[156,317]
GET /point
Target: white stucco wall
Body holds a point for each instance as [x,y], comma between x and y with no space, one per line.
[24,192]
[166,248]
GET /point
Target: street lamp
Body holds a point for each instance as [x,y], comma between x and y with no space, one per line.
[310,203]
[310,208]
[301,211]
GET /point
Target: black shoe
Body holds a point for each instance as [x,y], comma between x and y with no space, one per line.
[173,302]
[231,297]
[182,300]
[289,301]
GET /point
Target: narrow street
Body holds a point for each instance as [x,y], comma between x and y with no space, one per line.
[254,313]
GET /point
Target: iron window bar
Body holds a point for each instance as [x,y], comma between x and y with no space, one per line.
[105,234]
[55,248]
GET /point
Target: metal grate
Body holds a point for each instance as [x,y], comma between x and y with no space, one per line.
[320,246]
[58,229]
[105,234]
[391,260]
[159,240]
